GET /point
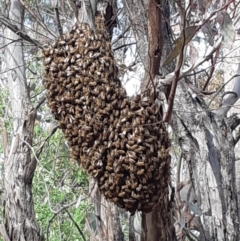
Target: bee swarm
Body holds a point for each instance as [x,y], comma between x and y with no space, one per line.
[121,142]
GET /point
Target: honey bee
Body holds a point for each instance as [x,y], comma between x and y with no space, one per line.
[126,167]
[124,103]
[92,83]
[118,169]
[121,152]
[129,201]
[139,188]
[109,168]
[53,68]
[102,180]
[125,188]
[149,174]
[144,180]
[121,194]
[140,164]
[115,200]
[132,147]
[135,196]
[47,60]
[70,72]
[133,168]
[140,149]
[71,110]
[62,124]
[134,185]
[131,161]
[140,172]
[132,155]
[96,173]
[72,50]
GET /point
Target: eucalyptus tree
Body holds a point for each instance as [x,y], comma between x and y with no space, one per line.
[19,222]
[203,201]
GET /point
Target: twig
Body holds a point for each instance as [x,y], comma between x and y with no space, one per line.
[59,26]
[122,46]
[4,138]
[56,213]
[39,151]
[42,100]
[17,31]
[74,222]
[36,18]
[234,76]
[213,61]
[177,74]
[36,158]
[121,35]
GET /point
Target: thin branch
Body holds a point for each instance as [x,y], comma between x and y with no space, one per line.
[56,213]
[121,35]
[229,93]
[177,74]
[20,33]
[213,62]
[222,87]
[36,18]
[41,101]
[4,138]
[34,154]
[122,46]
[167,80]
[74,222]
[59,26]
[39,151]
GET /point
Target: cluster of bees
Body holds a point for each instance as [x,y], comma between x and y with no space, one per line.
[119,141]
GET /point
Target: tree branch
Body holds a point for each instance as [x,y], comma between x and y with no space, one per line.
[234,121]
[20,33]
[155,42]
[56,11]
[36,18]
[76,225]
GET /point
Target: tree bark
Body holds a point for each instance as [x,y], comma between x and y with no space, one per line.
[19,216]
[156,225]
[207,147]
[155,42]
[138,20]
[107,216]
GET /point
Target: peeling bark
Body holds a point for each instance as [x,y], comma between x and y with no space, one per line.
[138,19]
[108,220]
[156,225]
[155,42]
[207,147]
[19,216]
[87,12]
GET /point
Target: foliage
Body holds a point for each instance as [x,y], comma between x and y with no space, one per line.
[57,186]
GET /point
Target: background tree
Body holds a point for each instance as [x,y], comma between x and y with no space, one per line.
[206,203]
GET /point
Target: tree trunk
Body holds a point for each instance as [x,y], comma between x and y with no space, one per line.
[19,217]
[207,147]
[107,216]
